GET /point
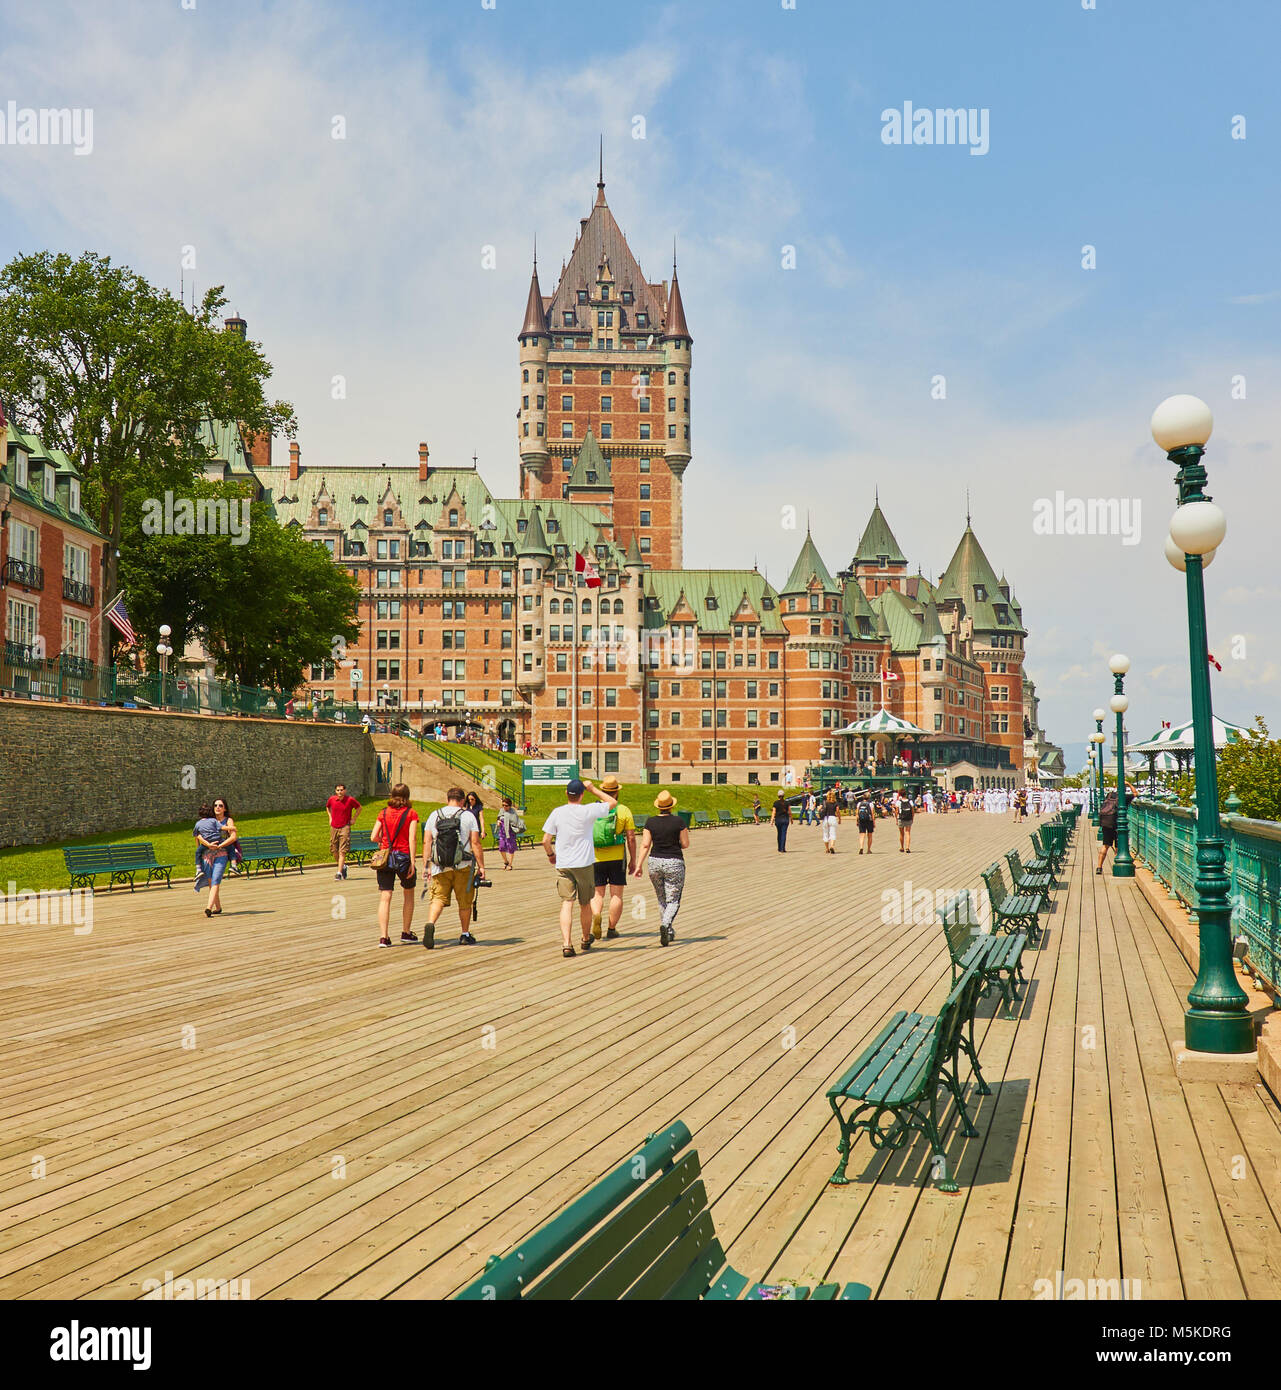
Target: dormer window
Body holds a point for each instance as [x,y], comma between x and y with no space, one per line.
[387,516]
[508,549]
[591,475]
[49,481]
[20,469]
[453,516]
[627,296]
[709,603]
[322,517]
[767,603]
[570,318]
[604,291]
[520,528]
[980,594]
[553,524]
[642,320]
[582,296]
[882,562]
[73,495]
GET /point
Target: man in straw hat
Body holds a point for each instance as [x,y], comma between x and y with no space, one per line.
[664,842]
[612,841]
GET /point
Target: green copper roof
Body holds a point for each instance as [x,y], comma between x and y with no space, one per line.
[38,459]
[860,617]
[534,541]
[726,589]
[970,575]
[809,564]
[931,630]
[591,467]
[903,625]
[879,540]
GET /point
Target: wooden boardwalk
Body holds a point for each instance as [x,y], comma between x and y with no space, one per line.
[268,1098]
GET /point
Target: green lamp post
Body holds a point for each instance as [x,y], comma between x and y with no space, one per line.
[1122,864]
[1217,1019]
[1097,739]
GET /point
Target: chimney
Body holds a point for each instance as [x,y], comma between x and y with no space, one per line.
[236,325]
[294,452]
[423,451]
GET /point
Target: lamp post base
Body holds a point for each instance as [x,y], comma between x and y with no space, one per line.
[1122,869]
[1206,1032]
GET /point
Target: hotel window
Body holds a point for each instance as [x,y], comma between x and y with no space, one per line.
[562,697]
[322,517]
[20,469]
[387,517]
[566,429]
[642,320]
[73,495]
[20,622]
[642,403]
[582,296]
[75,563]
[606,430]
[607,378]
[644,518]
[526,374]
[644,431]
[75,636]
[606,403]
[671,431]
[671,404]
[569,318]
[567,402]
[644,465]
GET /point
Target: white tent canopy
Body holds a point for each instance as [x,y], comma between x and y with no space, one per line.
[1179,738]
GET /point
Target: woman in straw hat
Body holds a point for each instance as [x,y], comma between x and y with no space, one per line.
[663,847]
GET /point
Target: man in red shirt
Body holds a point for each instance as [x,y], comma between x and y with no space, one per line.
[343,809]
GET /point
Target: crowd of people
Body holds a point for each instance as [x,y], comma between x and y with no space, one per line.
[592,842]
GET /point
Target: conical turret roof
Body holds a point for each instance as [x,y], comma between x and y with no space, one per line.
[878,540]
[809,563]
[633,556]
[535,317]
[591,467]
[534,541]
[970,575]
[676,326]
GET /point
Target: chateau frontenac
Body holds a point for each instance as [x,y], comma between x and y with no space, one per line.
[474,614]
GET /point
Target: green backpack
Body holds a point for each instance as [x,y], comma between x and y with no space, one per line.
[605,831]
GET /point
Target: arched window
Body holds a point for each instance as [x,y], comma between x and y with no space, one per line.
[618,605]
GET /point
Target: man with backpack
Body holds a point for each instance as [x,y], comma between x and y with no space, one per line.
[906,814]
[613,833]
[569,846]
[1107,827]
[454,858]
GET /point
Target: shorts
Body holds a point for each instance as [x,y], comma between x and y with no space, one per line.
[339,839]
[607,871]
[577,883]
[399,868]
[905,824]
[1108,837]
[458,881]
[829,828]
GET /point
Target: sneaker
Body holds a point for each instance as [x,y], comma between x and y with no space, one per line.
[408,936]
[384,941]
[429,938]
[596,926]
[662,936]
[466,939]
[339,877]
[611,934]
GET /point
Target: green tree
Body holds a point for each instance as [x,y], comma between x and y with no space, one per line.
[122,377]
[265,608]
[1252,768]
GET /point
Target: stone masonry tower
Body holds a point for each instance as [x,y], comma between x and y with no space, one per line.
[610,353]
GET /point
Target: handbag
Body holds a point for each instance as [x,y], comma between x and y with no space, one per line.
[378,859]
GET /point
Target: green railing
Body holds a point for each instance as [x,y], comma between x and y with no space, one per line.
[474,763]
[71,679]
[1164,837]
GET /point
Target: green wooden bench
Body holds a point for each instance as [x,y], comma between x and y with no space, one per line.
[1024,881]
[359,851]
[998,958]
[643,1232]
[727,817]
[1043,860]
[641,823]
[1011,912]
[899,1075]
[122,862]
[701,818]
[268,852]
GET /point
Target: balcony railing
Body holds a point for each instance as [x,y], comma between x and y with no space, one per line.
[76,591]
[21,572]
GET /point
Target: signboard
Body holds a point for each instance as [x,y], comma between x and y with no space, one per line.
[550,771]
[357,676]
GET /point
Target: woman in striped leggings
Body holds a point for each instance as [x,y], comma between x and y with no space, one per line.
[663,845]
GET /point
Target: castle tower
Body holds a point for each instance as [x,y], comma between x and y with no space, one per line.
[533,555]
[531,418]
[614,350]
[878,563]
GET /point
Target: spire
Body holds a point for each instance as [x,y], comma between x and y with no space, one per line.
[878,539]
[676,325]
[535,318]
[600,179]
[633,556]
[809,564]
[534,541]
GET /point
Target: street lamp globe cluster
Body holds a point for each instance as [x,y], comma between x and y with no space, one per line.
[1217,1019]
[164,651]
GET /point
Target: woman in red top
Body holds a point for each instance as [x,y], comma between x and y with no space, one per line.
[397,828]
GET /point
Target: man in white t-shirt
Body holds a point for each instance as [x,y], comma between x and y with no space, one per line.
[567,840]
[454,857]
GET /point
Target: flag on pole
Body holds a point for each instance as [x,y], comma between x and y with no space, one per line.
[1214,663]
[119,619]
[890,676]
[583,566]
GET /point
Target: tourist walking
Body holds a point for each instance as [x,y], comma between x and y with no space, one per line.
[396,832]
[865,820]
[831,816]
[508,829]
[473,803]
[567,841]
[1107,827]
[216,836]
[906,813]
[780,816]
[613,838]
[342,809]
[663,844]
[454,861]
[756,809]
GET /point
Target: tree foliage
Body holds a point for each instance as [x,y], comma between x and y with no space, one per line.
[1252,768]
[123,377]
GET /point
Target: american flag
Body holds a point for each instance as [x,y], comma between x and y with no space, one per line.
[583,566]
[119,619]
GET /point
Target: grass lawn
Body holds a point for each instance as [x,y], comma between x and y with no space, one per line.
[41,866]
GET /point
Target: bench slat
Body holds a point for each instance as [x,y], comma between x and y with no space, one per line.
[644,1252]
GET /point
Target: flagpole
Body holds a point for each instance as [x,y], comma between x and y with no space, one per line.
[573,698]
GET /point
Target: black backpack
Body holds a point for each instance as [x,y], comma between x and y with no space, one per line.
[1107,814]
[447,849]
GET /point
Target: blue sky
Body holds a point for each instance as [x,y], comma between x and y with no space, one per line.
[468,127]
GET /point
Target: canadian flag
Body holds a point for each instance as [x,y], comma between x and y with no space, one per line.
[583,566]
[1214,663]
[890,676]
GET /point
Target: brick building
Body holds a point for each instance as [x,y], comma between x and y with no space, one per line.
[52,556]
[472,614]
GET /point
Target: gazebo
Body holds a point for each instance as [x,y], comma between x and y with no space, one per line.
[1173,746]
[884,725]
